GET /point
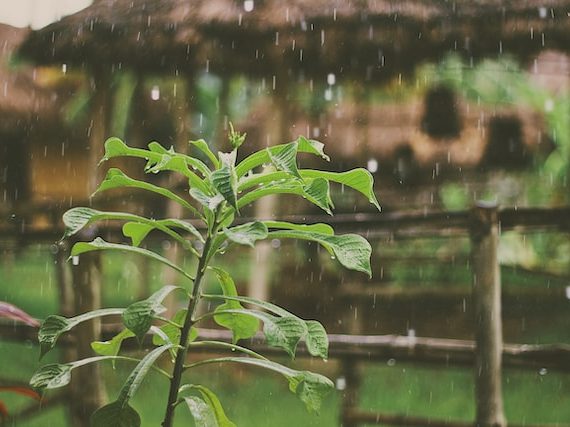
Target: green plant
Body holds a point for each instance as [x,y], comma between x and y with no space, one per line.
[217,193]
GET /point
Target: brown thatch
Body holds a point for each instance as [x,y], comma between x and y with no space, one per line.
[23,103]
[363,40]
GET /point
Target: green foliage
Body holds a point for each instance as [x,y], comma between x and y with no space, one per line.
[217,192]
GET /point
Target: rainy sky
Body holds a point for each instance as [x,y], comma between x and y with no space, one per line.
[37,13]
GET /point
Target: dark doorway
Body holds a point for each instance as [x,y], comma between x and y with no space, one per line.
[441,116]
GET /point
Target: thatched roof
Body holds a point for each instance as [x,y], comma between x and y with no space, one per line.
[359,39]
[22,100]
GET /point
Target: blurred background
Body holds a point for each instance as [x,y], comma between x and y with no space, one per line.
[445,103]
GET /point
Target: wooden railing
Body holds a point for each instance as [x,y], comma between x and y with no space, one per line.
[488,354]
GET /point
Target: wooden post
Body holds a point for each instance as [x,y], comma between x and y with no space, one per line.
[487,310]
[86,275]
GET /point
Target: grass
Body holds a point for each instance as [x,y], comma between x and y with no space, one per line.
[252,398]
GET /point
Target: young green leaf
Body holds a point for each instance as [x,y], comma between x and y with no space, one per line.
[115,414]
[202,145]
[351,250]
[213,403]
[53,326]
[243,326]
[236,138]
[246,234]
[284,158]
[225,182]
[258,158]
[99,244]
[113,346]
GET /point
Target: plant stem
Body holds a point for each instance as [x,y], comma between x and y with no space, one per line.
[188,323]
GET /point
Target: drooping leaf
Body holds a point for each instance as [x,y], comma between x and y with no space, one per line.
[116,178]
[246,234]
[317,339]
[213,403]
[50,376]
[242,326]
[351,250]
[113,346]
[358,179]
[99,244]
[137,375]
[138,317]
[9,311]
[202,413]
[283,332]
[53,326]
[284,158]
[115,414]
[308,386]
[318,191]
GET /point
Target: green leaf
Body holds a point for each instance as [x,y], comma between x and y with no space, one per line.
[315,192]
[117,179]
[50,376]
[317,339]
[284,158]
[173,333]
[99,244]
[202,145]
[258,158]
[213,403]
[53,326]
[209,202]
[136,231]
[155,156]
[137,375]
[77,218]
[225,182]
[138,316]
[308,386]
[113,346]
[283,332]
[242,326]
[246,234]
[202,413]
[351,250]
[358,179]
[315,228]
[115,414]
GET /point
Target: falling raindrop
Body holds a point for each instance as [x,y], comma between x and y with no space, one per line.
[331,79]
[391,362]
[372,165]
[340,383]
[248,5]
[75,260]
[542,371]
[155,93]
[328,94]
[64,68]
